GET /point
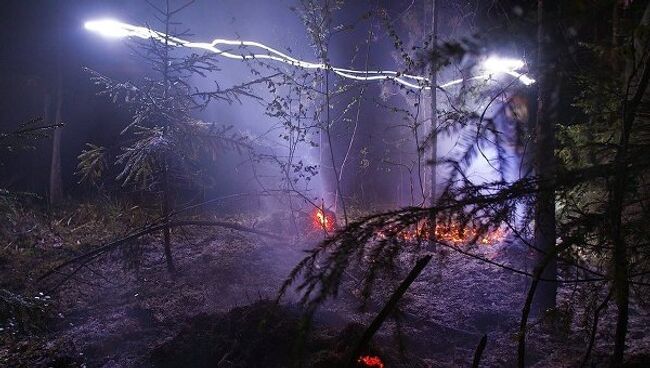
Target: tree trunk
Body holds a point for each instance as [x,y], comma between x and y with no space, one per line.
[616,198]
[545,297]
[434,106]
[620,258]
[166,195]
[56,182]
[166,215]
[433,126]
[36,182]
[338,193]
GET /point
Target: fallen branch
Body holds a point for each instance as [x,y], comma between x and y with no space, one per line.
[594,328]
[478,353]
[537,277]
[388,308]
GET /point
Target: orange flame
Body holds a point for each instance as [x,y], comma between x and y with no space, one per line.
[323,220]
[371,361]
[450,233]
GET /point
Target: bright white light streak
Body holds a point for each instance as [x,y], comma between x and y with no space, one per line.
[111,28]
[116,29]
[495,64]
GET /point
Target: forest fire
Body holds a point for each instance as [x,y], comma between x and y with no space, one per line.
[323,220]
[370,361]
[451,233]
[456,235]
[272,193]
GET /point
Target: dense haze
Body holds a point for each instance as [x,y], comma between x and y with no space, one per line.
[33,54]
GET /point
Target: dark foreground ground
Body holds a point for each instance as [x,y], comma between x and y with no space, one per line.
[214,313]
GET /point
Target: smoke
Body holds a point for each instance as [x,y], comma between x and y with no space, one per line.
[366,134]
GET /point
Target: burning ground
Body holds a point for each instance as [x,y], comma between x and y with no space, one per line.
[216,311]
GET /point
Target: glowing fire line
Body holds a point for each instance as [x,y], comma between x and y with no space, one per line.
[448,233]
[113,28]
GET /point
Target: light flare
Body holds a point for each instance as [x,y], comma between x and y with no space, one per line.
[495,65]
[111,28]
[116,29]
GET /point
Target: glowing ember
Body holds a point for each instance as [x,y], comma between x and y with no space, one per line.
[455,235]
[371,361]
[324,220]
[450,233]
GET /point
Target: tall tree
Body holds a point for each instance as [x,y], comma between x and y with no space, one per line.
[165,145]
[433,129]
[318,18]
[636,78]
[56,180]
[544,165]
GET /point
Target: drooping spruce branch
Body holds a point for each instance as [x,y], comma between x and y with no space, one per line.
[373,243]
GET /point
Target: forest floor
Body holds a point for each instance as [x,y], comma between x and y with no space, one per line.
[115,313]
